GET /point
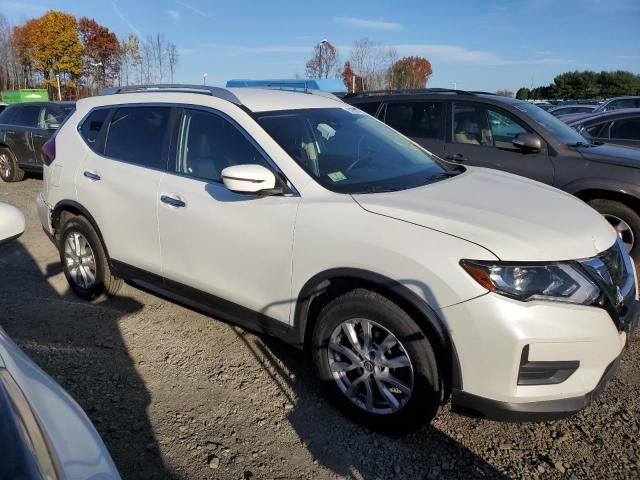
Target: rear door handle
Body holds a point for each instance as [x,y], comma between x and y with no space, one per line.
[172,201]
[93,176]
[457,157]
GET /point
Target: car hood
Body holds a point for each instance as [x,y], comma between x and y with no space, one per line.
[614,154]
[515,218]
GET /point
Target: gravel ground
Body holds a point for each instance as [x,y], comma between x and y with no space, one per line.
[177,394]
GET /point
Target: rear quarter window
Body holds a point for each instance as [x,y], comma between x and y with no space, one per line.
[92,127]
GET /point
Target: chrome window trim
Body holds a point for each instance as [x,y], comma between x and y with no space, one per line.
[184,106]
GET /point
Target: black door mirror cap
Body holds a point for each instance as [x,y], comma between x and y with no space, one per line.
[528,142]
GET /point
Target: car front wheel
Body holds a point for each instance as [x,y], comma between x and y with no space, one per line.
[376,363]
[624,220]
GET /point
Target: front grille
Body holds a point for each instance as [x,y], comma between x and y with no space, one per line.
[614,262]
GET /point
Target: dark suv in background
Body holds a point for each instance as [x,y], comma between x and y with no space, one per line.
[24,129]
[486,130]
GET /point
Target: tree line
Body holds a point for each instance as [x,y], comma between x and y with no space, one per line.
[82,54]
[585,85]
[370,66]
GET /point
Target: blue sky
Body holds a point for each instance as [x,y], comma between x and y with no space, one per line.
[479,45]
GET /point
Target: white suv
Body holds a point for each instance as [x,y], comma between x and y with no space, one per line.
[290,213]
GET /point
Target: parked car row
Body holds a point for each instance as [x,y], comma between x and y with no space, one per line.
[621,127]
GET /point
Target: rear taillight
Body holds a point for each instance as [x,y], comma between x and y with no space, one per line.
[49,151]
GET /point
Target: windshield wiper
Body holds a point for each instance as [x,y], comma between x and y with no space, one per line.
[579,144]
[442,176]
[377,189]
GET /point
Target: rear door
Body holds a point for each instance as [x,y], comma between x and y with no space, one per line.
[19,134]
[49,120]
[481,135]
[424,121]
[127,153]
[624,131]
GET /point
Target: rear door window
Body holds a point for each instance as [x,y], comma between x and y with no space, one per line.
[370,107]
[140,135]
[421,119]
[27,116]
[627,129]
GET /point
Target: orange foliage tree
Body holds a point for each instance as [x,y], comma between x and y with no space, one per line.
[410,73]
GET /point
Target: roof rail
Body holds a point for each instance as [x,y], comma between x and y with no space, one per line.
[303,89]
[217,92]
[408,92]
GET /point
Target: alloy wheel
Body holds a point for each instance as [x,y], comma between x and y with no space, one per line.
[622,228]
[80,260]
[5,165]
[370,366]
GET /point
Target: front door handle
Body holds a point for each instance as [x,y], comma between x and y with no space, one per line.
[172,201]
[93,176]
[457,157]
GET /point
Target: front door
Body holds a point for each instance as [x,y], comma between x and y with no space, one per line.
[482,136]
[232,246]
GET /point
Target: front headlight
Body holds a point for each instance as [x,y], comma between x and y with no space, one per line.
[559,282]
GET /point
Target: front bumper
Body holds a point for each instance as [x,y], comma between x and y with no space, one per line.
[479,407]
[490,334]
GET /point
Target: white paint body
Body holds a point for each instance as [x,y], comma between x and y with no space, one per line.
[74,441]
[260,252]
[11,222]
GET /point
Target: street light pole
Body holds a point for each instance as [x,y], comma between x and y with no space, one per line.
[58,80]
[204,79]
[321,44]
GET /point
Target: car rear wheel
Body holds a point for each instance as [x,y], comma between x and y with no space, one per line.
[84,261]
[9,169]
[376,363]
[624,220]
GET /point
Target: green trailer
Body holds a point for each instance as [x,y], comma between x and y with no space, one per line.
[25,95]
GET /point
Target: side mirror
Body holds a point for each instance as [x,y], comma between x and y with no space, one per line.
[12,223]
[250,179]
[528,142]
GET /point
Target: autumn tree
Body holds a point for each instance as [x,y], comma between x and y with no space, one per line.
[410,73]
[324,61]
[101,52]
[353,82]
[56,48]
[130,60]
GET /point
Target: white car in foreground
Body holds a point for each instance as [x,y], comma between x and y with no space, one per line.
[44,434]
[408,279]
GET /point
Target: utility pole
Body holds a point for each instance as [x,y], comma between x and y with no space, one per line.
[58,80]
[322,43]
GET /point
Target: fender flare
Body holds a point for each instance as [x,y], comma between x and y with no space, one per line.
[614,186]
[428,317]
[60,207]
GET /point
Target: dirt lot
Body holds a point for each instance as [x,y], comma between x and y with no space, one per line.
[177,394]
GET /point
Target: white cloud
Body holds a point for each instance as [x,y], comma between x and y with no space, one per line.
[193,9]
[369,24]
[174,14]
[125,20]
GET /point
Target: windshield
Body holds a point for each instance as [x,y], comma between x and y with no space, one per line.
[560,130]
[348,151]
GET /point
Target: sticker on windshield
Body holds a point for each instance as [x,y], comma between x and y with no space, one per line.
[354,110]
[336,176]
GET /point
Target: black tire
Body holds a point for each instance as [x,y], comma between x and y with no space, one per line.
[105,282]
[13,173]
[423,402]
[612,210]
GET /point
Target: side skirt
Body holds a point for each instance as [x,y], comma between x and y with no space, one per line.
[204,302]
